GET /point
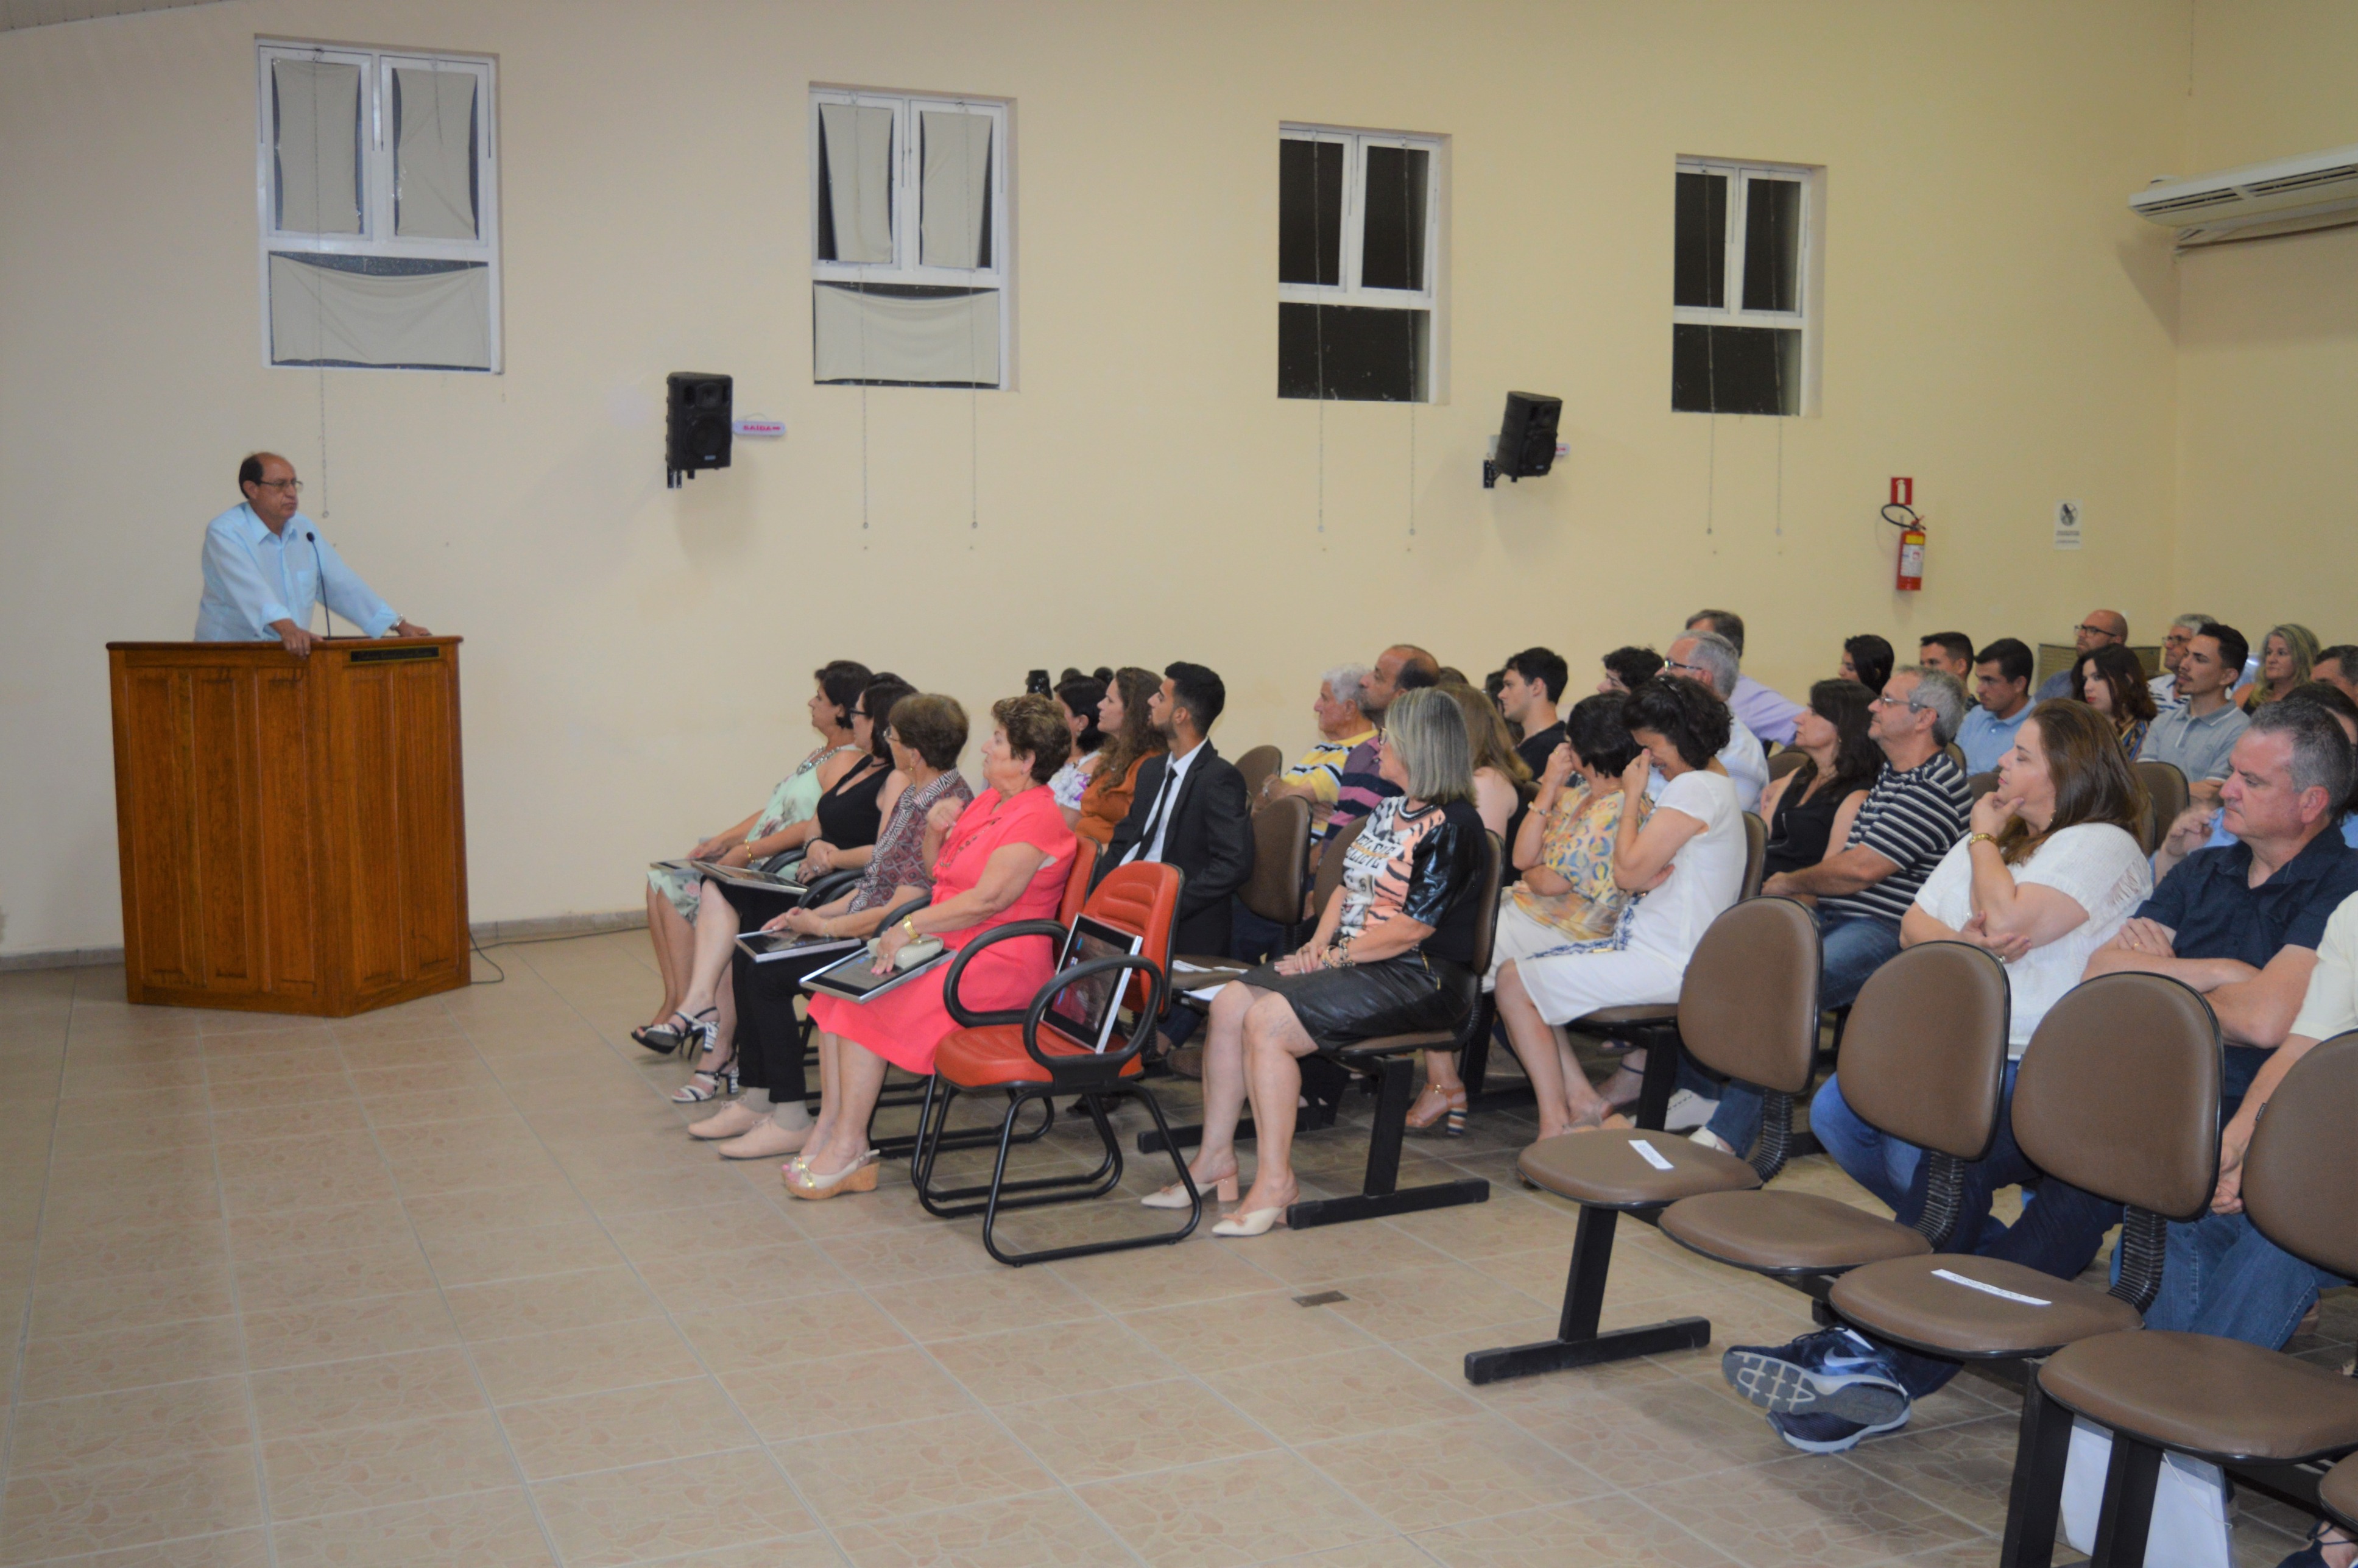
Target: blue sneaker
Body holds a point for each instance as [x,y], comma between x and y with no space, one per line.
[1831,1372]
[1821,1434]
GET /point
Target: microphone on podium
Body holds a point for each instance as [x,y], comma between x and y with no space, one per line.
[319,585]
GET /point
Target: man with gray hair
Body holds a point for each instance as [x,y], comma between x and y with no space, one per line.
[2174,643]
[1318,774]
[1916,811]
[1711,662]
[1769,715]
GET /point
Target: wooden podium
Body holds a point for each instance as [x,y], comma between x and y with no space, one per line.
[292,830]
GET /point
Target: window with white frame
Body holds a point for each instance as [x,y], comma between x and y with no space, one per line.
[1359,249]
[910,269]
[1743,312]
[378,193]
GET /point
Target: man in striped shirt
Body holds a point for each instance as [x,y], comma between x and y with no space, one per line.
[1317,777]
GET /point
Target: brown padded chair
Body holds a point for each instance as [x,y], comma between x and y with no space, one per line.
[2222,1400]
[1391,1059]
[1956,754]
[2117,1093]
[1259,767]
[2338,1495]
[1749,1008]
[1654,1026]
[2166,796]
[1274,887]
[1786,762]
[1979,784]
[1924,1060]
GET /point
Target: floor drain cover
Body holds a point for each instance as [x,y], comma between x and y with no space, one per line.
[1323,1298]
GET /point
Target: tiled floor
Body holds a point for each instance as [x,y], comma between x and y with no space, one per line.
[446,1284]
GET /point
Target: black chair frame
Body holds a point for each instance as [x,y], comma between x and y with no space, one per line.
[1096,1077]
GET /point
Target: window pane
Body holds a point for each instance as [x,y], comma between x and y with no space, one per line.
[1351,352]
[953,192]
[1309,211]
[1735,370]
[1391,253]
[434,194]
[904,335]
[854,193]
[380,311]
[316,125]
[1773,244]
[1700,269]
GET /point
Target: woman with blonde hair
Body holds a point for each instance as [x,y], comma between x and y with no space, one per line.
[2287,654]
[1393,954]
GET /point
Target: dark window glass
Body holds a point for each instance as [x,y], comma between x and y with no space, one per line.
[1700,268]
[1735,370]
[1350,353]
[1309,211]
[1773,244]
[1391,254]
[827,198]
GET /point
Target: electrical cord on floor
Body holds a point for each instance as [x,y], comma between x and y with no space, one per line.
[499,974]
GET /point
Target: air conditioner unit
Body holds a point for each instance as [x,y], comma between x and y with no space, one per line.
[2315,190]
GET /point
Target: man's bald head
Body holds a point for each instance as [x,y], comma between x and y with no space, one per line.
[1403,667]
[2100,628]
[269,485]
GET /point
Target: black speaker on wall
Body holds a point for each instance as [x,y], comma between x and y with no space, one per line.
[1526,438]
[696,413]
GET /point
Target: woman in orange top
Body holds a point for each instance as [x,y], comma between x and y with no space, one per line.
[1122,715]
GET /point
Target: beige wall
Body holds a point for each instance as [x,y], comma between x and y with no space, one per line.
[2268,336]
[1997,326]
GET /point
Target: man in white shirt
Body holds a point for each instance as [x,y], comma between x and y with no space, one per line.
[1710,661]
[266,565]
[2001,702]
[1769,715]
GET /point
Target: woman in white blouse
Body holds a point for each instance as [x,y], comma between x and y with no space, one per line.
[2050,867]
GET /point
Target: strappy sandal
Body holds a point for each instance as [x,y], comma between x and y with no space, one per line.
[1438,1112]
[659,1038]
[2312,1553]
[718,1079]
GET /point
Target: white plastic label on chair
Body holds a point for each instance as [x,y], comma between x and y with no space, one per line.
[1652,1156]
[1988,1290]
[2190,1526]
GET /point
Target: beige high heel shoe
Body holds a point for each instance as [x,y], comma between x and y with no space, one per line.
[860,1176]
[1175,1195]
[1254,1222]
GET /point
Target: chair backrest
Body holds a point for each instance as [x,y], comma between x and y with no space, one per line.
[1785,762]
[1756,856]
[2166,796]
[1330,866]
[1748,1007]
[1280,852]
[2118,1093]
[2300,1186]
[1143,897]
[1077,884]
[1259,765]
[1979,784]
[1486,917]
[1956,754]
[1923,1054]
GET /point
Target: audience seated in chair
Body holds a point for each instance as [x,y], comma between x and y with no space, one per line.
[779,827]
[1770,715]
[1686,858]
[1530,696]
[2053,868]
[1709,660]
[1005,858]
[1123,717]
[2198,735]
[1628,668]
[1080,697]
[2097,628]
[2174,643]
[1811,809]
[926,733]
[1189,811]
[2288,655]
[1867,659]
[2001,688]
[1390,956]
[1316,776]
[2203,826]
[2111,681]
[1402,667]
[1951,653]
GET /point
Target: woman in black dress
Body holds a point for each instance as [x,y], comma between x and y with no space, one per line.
[1812,807]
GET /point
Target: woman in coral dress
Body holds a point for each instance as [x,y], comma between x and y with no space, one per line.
[1005,858]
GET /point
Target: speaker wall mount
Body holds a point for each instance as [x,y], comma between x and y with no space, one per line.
[1525,447]
[697,406]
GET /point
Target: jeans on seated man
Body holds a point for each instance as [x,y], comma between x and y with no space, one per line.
[1915,812]
[2244,926]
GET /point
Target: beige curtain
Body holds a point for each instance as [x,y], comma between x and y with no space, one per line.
[437,319]
[931,339]
[434,157]
[954,194]
[317,139]
[860,180]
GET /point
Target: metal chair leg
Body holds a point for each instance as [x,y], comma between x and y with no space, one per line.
[2035,1496]
[1380,1194]
[2129,1483]
[1578,1342]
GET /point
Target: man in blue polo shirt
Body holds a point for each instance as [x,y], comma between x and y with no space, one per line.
[266,565]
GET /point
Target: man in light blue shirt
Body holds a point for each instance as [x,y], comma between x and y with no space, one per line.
[266,565]
[2001,702]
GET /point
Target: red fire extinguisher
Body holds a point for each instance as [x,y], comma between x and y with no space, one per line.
[1901,515]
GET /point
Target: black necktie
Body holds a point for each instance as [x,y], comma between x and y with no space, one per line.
[1155,817]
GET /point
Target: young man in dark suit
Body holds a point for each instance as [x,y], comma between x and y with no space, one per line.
[1189,811]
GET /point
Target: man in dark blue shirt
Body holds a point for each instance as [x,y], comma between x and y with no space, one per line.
[2241,925]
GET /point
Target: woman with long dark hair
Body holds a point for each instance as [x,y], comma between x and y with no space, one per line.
[2115,684]
[1812,807]
[1122,715]
[1867,659]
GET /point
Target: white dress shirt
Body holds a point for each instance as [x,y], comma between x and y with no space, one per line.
[254,577]
[1174,774]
